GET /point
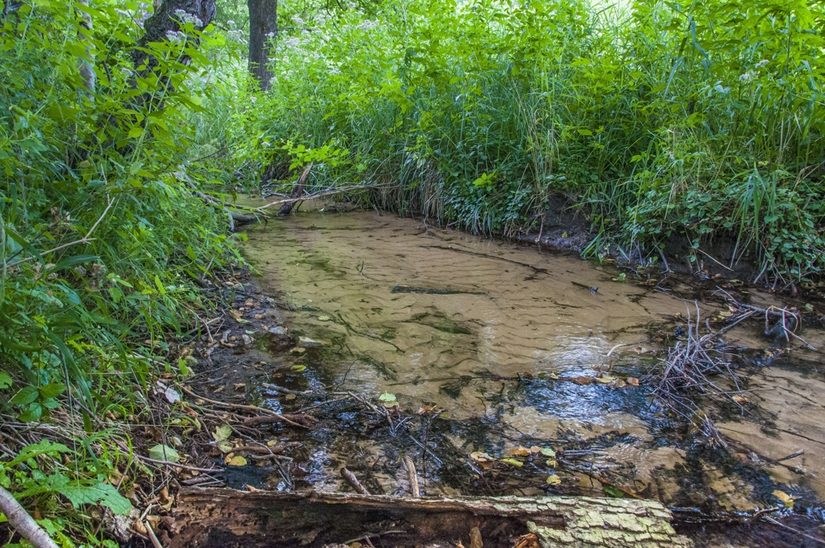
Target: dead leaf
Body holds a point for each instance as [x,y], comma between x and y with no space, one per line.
[530,540]
[480,456]
[519,452]
[553,479]
[632,381]
[580,379]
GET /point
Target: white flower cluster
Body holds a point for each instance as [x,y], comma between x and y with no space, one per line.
[175,36]
[186,17]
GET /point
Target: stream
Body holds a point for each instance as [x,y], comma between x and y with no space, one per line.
[502,369]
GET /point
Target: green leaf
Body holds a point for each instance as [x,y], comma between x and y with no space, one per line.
[31,412]
[102,493]
[25,396]
[388,399]
[73,261]
[52,390]
[222,433]
[613,491]
[5,380]
[164,453]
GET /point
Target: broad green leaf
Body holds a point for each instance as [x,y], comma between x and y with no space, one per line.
[101,493]
[164,453]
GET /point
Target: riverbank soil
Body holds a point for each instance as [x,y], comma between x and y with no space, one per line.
[379,355]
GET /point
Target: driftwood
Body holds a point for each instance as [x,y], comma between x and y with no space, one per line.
[224,517]
[286,208]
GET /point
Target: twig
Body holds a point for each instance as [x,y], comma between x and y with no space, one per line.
[245,407]
[84,240]
[412,476]
[353,481]
[781,525]
[152,537]
[322,194]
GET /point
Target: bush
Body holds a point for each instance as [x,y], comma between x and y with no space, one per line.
[101,241]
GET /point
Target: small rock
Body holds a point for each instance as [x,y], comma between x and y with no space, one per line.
[277,330]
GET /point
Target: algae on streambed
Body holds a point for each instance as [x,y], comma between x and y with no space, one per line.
[498,348]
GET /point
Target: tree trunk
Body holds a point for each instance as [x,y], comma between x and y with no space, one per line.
[223,517]
[165,21]
[263,26]
[87,64]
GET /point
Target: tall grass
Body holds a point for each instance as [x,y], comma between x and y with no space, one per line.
[699,124]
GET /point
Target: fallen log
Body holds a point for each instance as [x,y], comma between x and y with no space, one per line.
[225,517]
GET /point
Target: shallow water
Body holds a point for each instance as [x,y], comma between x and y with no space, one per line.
[518,347]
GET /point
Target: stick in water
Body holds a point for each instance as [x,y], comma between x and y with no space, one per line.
[413,476]
[352,480]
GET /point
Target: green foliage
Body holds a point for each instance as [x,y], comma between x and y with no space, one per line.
[101,234]
[701,121]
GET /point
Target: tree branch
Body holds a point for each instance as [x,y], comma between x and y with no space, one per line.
[23,523]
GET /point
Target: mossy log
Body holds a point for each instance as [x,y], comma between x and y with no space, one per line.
[224,517]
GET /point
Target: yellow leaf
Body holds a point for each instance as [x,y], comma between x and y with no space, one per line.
[784,497]
[235,460]
[513,462]
[553,479]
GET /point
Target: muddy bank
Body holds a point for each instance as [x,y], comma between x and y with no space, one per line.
[561,228]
